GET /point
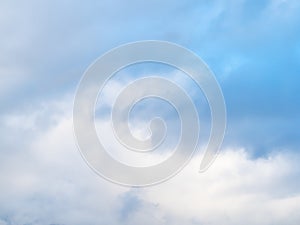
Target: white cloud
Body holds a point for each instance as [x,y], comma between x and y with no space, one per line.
[43,179]
[48,182]
[235,190]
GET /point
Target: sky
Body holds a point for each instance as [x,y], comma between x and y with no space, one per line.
[253,48]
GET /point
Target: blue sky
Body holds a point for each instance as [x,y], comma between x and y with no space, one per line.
[253,48]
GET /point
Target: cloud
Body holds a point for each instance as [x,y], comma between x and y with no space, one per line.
[263,190]
[47,182]
[253,48]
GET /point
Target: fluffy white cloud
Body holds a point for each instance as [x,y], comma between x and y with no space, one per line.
[47,182]
[45,47]
[236,189]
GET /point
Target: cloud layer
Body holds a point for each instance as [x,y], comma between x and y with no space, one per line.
[253,48]
[47,182]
